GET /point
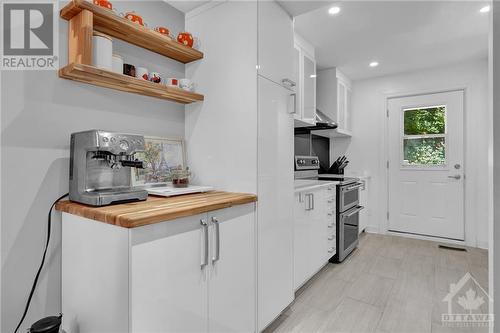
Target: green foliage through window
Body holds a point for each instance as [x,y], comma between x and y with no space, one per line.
[425,121]
[429,151]
[424,136]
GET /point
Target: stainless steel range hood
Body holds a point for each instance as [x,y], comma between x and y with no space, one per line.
[323,122]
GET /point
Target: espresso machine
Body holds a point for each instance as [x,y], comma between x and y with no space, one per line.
[99,171]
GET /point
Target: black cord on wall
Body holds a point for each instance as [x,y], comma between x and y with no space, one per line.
[49,220]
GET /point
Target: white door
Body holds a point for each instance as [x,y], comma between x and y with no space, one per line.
[168,284]
[426,165]
[275,36]
[275,191]
[232,284]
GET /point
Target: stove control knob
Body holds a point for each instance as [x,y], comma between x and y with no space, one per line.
[124,145]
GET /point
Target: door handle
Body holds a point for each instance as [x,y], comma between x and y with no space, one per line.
[309,201]
[312,197]
[352,212]
[204,258]
[216,257]
[294,103]
[457,177]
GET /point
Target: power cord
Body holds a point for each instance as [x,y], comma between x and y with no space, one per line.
[49,222]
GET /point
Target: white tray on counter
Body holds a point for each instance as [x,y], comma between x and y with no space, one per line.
[169,191]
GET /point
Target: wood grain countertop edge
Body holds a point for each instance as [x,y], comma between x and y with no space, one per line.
[157,209]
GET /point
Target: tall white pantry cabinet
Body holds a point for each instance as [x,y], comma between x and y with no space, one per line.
[241,137]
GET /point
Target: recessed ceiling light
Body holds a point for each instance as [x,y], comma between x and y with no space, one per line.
[373,64]
[312,76]
[334,10]
[485,9]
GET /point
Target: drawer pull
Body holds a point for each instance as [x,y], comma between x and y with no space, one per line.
[330,225]
[331,237]
[331,250]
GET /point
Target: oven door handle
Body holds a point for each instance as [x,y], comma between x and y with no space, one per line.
[353,187]
[353,211]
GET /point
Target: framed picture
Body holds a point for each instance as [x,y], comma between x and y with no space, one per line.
[160,157]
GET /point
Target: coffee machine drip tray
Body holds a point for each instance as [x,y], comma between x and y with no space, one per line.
[103,197]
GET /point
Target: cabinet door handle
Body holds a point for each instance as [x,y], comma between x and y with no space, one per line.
[331,250]
[294,103]
[330,238]
[310,201]
[288,82]
[204,257]
[216,257]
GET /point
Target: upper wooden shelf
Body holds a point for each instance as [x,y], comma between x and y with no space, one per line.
[107,22]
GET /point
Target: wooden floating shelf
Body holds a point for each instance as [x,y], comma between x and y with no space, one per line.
[107,22]
[112,80]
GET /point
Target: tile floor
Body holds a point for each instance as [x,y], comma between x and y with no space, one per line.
[389,284]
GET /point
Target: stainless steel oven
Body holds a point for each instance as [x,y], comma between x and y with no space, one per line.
[349,196]
[348,232]
[348,209]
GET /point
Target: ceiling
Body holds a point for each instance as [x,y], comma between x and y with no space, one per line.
[401,35]
[186,6]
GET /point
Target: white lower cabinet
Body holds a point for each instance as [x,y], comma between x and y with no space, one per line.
[314,232]
[193,274]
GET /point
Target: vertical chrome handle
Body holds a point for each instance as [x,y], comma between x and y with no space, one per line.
[217,240]
[204,256]
[309,202]
[294,103]
[312,197]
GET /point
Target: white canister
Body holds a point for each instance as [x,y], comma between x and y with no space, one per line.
[102,51]
[117,64]
[142,73]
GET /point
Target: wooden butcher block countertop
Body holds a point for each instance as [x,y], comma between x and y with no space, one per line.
[157,209]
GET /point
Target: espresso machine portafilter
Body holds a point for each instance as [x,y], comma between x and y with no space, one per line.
[100,162]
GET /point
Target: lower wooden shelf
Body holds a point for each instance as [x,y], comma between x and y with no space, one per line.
[112,80]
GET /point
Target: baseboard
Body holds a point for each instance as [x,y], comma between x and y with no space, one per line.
[372,230]
[429,238]
[483,245]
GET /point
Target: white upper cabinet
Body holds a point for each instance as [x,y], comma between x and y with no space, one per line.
[305,67]
[275,49]
[334,99]
[309,91]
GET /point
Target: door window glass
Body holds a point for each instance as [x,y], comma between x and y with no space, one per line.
[424,136]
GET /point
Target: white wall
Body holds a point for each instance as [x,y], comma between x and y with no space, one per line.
[366,148]
[494,258]
[38,113]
